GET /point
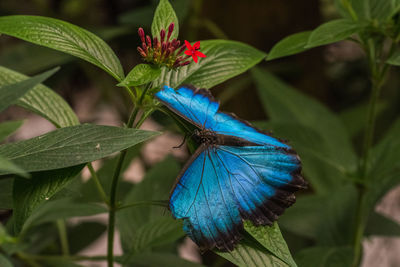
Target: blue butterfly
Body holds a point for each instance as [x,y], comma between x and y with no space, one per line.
[237,173]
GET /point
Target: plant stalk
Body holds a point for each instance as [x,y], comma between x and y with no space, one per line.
[379,73]
[114,184]
[96,181]
[113,196]
[62,231]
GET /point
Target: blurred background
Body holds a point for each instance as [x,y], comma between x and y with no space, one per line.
[335,75]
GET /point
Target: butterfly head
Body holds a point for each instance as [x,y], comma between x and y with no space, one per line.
[205,137]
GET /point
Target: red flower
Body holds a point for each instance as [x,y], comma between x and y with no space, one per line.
[193,50]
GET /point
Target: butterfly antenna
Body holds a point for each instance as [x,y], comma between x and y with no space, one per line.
[181,144]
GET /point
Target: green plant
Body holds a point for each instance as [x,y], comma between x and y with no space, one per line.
[38,176]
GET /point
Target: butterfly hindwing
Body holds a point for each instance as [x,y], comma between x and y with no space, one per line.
[224,185]
[210,215]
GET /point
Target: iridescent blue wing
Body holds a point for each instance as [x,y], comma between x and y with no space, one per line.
[222,185]
[200,108]
[196,106]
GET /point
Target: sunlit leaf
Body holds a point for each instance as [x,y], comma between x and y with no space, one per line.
[64,37]
[163,17]
[225,59]
[290,45]
[250,254]
[141,74]
[271,238]
[332,32]
[71,146]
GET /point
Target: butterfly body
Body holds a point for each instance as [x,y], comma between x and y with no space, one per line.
[210,138]
[237,172]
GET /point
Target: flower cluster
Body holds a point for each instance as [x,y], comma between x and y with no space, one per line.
[161,51]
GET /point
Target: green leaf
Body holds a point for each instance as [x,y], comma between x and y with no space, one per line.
[325,257]
[5,262]
[161,231]
[141,74]
[271,238]
[9,94]
[7,166]
[64,37]
[386,153]
[8,127]
[290,45]
[156,185]
[384,167]
[41,100]
[373,9]
[354,118]
[326,219]
[62,209]
[88,191]
[249,253]
[163,17]
[6,186]
[156,259]
[380,225]
[332,31]
[29,194]
[5,238]
[284,104]
[380,10]
[71,146]
[84,234]
[394,59]
[225,59]
[29,58]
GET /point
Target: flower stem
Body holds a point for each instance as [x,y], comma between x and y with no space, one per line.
[96,181]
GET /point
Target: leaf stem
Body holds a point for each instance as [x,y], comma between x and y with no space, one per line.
[62,231]
[96,181]
[162,203]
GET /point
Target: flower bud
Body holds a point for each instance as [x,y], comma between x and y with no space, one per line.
[141,34]
[170,30]
[185,63]
[162,35]
[141,52]
[183,47]
[148,39]
[155,41]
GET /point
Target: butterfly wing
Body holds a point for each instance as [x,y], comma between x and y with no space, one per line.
[221,185]
[196,106]
[200,108]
